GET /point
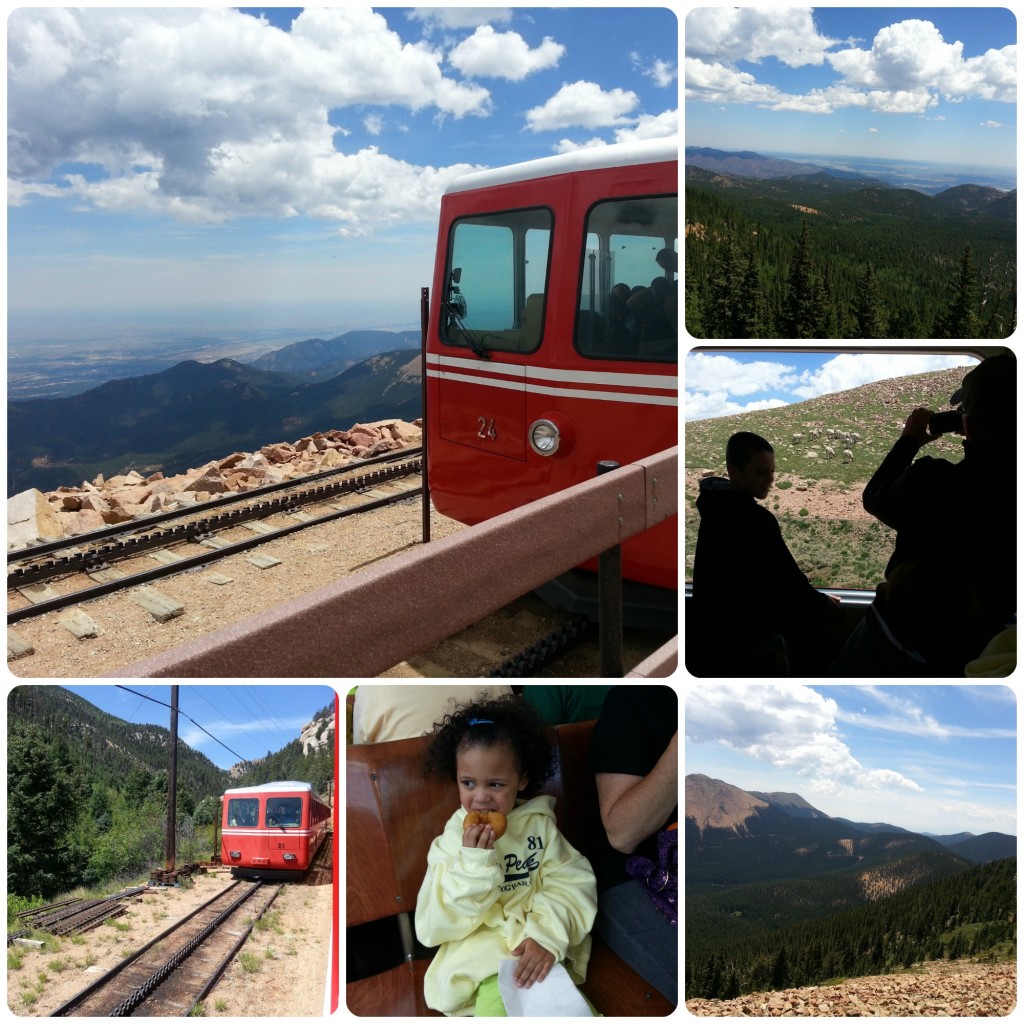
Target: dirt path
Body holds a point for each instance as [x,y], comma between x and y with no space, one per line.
[936,989]
[297,932]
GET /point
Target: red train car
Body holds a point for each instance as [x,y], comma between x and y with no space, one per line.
[552,341]
[273,830]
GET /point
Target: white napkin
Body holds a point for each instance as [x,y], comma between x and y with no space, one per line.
[555,996]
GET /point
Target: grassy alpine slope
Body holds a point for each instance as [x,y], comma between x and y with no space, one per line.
[817,500]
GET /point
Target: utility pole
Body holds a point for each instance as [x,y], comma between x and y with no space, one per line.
[172,782]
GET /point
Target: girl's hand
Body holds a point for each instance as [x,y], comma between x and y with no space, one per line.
[480,837]
[534,963]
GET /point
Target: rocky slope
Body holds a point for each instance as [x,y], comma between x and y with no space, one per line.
[34,517]
[936,989]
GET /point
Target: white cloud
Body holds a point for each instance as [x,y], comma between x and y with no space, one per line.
[487,53]
[907,68]
[790,727]
[753,33]
[992,124]
[584,105]
[209,114]
[850,370]
[662,72]
[706,372]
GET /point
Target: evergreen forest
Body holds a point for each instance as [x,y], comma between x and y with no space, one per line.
[819,257]
[970,913]
[87,794]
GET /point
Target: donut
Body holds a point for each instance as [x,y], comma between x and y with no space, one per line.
[493,818]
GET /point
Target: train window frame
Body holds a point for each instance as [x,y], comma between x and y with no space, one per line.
[453,327]
[604,275]
[251,805]
[282,800]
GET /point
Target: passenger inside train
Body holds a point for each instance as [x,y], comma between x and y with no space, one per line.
[948,590]
[583,876]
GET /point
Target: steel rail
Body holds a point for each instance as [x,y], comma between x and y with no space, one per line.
[137,539]
[65,1008]
[230,499]
[222,966]
[142,992]
[196,561]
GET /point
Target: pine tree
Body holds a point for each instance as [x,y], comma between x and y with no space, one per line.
[804,313]
[721,317]
[753,306]
[867,309]
[961,319]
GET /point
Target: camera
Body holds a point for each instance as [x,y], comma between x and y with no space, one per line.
[947,422]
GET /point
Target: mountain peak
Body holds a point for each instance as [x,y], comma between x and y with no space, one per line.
[712,803]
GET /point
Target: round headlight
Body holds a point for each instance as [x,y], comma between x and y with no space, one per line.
[544,437]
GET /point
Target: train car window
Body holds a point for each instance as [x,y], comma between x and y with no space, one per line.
[243,811]
[496,276]
[284,812]
[628,306]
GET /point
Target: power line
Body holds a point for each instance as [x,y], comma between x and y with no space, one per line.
[192,720]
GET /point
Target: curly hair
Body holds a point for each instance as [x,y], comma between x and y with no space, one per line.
[508,720]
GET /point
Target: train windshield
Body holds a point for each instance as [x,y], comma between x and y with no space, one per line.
[628,306]
[243,811]
[496,278]
[284,812]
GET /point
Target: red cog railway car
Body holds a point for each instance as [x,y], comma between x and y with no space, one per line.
[552,341]
[274,830]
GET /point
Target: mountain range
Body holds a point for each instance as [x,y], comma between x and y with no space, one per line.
[764,177]
[734,836]
[193,412]
[779,893]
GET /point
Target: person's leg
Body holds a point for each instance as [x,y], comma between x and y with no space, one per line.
[641,934]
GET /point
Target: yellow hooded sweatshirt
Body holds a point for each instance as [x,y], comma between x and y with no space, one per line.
[478,905]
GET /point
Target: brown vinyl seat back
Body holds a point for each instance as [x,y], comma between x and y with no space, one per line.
[393,815]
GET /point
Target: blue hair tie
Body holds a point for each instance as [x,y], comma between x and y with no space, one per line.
[481,721]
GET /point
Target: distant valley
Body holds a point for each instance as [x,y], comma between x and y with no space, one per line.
[779,893]
[192,412]
[777,248]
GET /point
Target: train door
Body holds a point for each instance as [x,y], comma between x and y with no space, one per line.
[494,303]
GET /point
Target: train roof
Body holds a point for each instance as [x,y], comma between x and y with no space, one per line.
[624,154]
[272,787]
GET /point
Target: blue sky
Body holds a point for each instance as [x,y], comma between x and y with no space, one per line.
[224,166]
[249,719]
[939,759]
[728,383]
[919,83]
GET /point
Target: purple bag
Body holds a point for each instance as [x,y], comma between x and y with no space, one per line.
[661,880]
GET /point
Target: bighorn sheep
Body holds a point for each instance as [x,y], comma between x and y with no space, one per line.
[847,455]
[830,452]
[797,438]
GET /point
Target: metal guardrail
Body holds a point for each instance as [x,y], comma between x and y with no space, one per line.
[426,594]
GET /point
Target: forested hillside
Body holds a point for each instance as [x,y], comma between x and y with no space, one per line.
[87,792]
[823,257]
[290,763]
[967,914]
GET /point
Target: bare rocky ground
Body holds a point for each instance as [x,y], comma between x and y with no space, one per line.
[938,988]
[294,945]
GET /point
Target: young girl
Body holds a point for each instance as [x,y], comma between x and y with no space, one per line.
[527,894]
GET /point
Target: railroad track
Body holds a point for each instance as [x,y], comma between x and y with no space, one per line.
[73,916]
[32,570]
[169,975]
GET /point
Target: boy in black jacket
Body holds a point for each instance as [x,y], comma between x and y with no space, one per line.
[747,588]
